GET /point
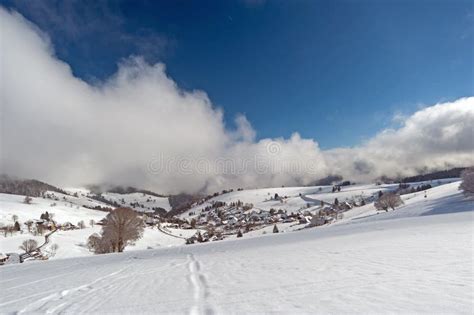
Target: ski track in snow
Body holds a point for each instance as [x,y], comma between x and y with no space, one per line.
[200,288]
[53,302]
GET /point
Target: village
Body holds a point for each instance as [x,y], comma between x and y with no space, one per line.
[219,220]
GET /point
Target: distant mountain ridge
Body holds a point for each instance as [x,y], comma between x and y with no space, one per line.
[27,187]
[97,189]
[451,173]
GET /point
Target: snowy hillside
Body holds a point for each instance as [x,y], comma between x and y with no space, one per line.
[298,198]
[65,210]
[416,259]
[142,202]
[72,209]
[139,201]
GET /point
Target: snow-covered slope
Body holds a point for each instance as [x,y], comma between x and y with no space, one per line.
[439,200]
[64,209]
[417,259]
[139,201]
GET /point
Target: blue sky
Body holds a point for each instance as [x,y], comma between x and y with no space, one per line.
[335,71]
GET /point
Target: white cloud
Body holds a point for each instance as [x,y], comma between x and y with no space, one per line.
[436,137]
[139,128]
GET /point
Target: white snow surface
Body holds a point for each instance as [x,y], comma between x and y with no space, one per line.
[416,259]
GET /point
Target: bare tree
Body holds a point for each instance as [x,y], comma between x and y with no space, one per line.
[123,226]
[39,228]
[91,223]
[53,249]
[81,224]
[388,200]
[467,185]
[29,245]
[29,223]
[14,218]
[27,200]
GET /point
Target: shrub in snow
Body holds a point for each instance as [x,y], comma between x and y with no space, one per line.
[388,200]
[239,233]
[467,185]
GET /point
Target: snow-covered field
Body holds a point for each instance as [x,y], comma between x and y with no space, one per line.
[416,259]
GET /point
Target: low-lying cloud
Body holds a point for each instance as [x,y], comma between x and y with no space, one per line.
[139,128]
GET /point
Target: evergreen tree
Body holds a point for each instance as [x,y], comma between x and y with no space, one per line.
[199,237]
[275,229]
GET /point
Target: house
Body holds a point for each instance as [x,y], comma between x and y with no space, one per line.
[150,221]
[254,216]
[3,258]
[329,219]
[102,222]
[317,221]
[186,226]
[232,220]
[345,206]
[303,220]
[67,226]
